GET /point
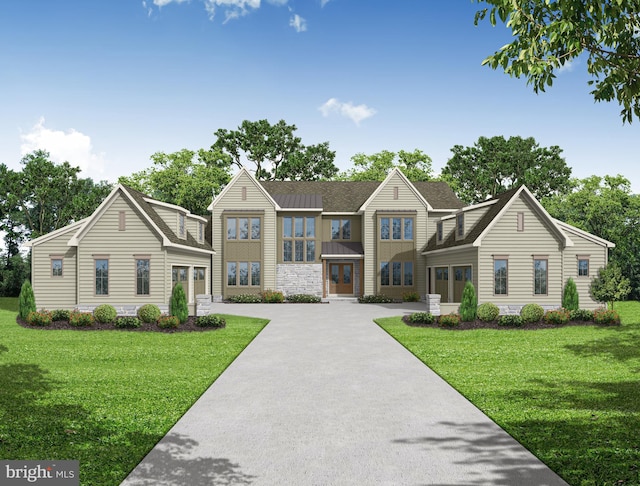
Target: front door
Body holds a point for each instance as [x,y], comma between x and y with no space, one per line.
[341,278]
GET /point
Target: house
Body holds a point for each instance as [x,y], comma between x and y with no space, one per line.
[128,253]
[326,238]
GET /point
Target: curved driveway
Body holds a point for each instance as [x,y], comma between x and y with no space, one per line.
[323,396]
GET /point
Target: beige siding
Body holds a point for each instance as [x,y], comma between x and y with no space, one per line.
[169,216]
[385,200]
[537,239]
[255,200]
[103,238]
[181,258]
[356,227]
[472,217]
[54,292]
[597,255]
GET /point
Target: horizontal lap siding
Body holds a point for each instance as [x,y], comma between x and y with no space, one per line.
[121,246]
[536,239]
[54,292]
[181,258]
[597,259]
[455,259]
[255,200]
[407,200]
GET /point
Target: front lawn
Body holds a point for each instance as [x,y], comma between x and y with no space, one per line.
[104,398]
[570,395]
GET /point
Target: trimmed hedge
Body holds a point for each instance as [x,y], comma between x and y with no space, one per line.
[532,313]
[488,312]
[303,299]
[557,316]
[422,318]
[81,319]
[149,313]
[105,313]
[127,323]
[42,318]
[510,320]
[168,322]
[60,315]
[245,299]
[211,320]
[449,320]
[375,299]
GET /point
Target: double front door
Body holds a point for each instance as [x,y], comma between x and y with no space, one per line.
[341,278]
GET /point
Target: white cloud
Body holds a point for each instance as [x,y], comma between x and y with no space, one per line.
[324,2]
[348,110]
[70,146]
[567,67]
[232,9]
[298,23]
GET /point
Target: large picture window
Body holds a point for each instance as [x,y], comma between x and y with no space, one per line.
[243,274]
[396,274]
[298,239]
[243,228]
[396,228]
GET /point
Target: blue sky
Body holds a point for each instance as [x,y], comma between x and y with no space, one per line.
[106,83]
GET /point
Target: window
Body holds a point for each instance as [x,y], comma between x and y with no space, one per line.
[440,231]
[182,226]
[540,276]
[56,266]
[340,229]
[238,228]
[201,232]
[520,221]
[243,274]
[583,266]
[396,228]
[102,276]
[299,242]
[500,274]
[142,276]
[391,273]
[460,225]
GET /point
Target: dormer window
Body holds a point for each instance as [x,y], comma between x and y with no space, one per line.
[440,231]
[200,232]
[460,225]
[182,226]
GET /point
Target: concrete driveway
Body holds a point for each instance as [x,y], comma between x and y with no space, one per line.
[323,396]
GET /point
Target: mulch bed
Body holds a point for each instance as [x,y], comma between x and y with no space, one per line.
[189,326]
[477,324]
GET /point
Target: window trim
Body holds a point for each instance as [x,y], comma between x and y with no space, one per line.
[250,281]
[390,266]
[293,240]
[581,258]
[56,258]
[541,258]
[200,231]
[236,227]
[500,258]
[96,259]
[439,232]
[390,218]
[341,226]
[460,226]
[136,259]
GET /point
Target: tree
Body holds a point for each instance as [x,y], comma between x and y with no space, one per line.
[276,152]
[550,34]
[610,285]
[14,270]
[415,165]
[570,297]
[181,178]
[606,207]
[495,165]
[45,196]
[178,304]
[26,300]
[469,302]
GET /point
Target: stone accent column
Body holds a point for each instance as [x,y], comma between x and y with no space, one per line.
[433,304]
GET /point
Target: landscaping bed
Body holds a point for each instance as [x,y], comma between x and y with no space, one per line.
[478,324]
[188,326]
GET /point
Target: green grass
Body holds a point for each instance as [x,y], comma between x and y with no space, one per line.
[9,304]
[104,398]
[570,395]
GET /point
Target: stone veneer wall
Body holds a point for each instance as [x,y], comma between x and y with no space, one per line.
[299,278]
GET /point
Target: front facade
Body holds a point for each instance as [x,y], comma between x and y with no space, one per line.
[325,238]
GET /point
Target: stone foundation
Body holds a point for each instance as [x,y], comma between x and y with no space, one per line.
[299,278]
[128,310]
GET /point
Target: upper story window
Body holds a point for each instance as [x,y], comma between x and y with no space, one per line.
[243,228]
[340,229]
[440,231]
[460,225]
[182,225]
[200,232]
[299,244]
[396,228]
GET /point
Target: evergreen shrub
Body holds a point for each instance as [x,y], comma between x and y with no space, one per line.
[570,298]
[81,319]
[26,300]
[532,313]
[42,318]
[488,312]
[149,313]
[449,320]
[469,304]
[510,320]
[178,306]
[211,320]
[105,313]
[557,316]
[127,322]
[422,318]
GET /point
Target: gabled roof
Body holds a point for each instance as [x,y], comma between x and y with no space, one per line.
[351,196]
[243,173]
[146,211]
[584,234]
[498,206]
[60,231]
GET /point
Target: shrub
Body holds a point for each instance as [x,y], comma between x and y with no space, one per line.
[581,315]
[531,313]
[60,315]
[272,297]
[26,300]
[105,313]
[245,299]
[375,299]
[211,321]
[606,316]
[488,312]
[168,322]
[422,318]
[42,318]
[303,299]
[149,313]
[510,320]
[127,322]
[410,297]
[449,320]
[469,304]
[570,298]
[178,306]
[81,319]
[558,316]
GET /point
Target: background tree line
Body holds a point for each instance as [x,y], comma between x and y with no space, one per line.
[43,196]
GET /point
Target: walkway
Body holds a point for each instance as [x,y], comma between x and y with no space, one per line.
[323,396]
